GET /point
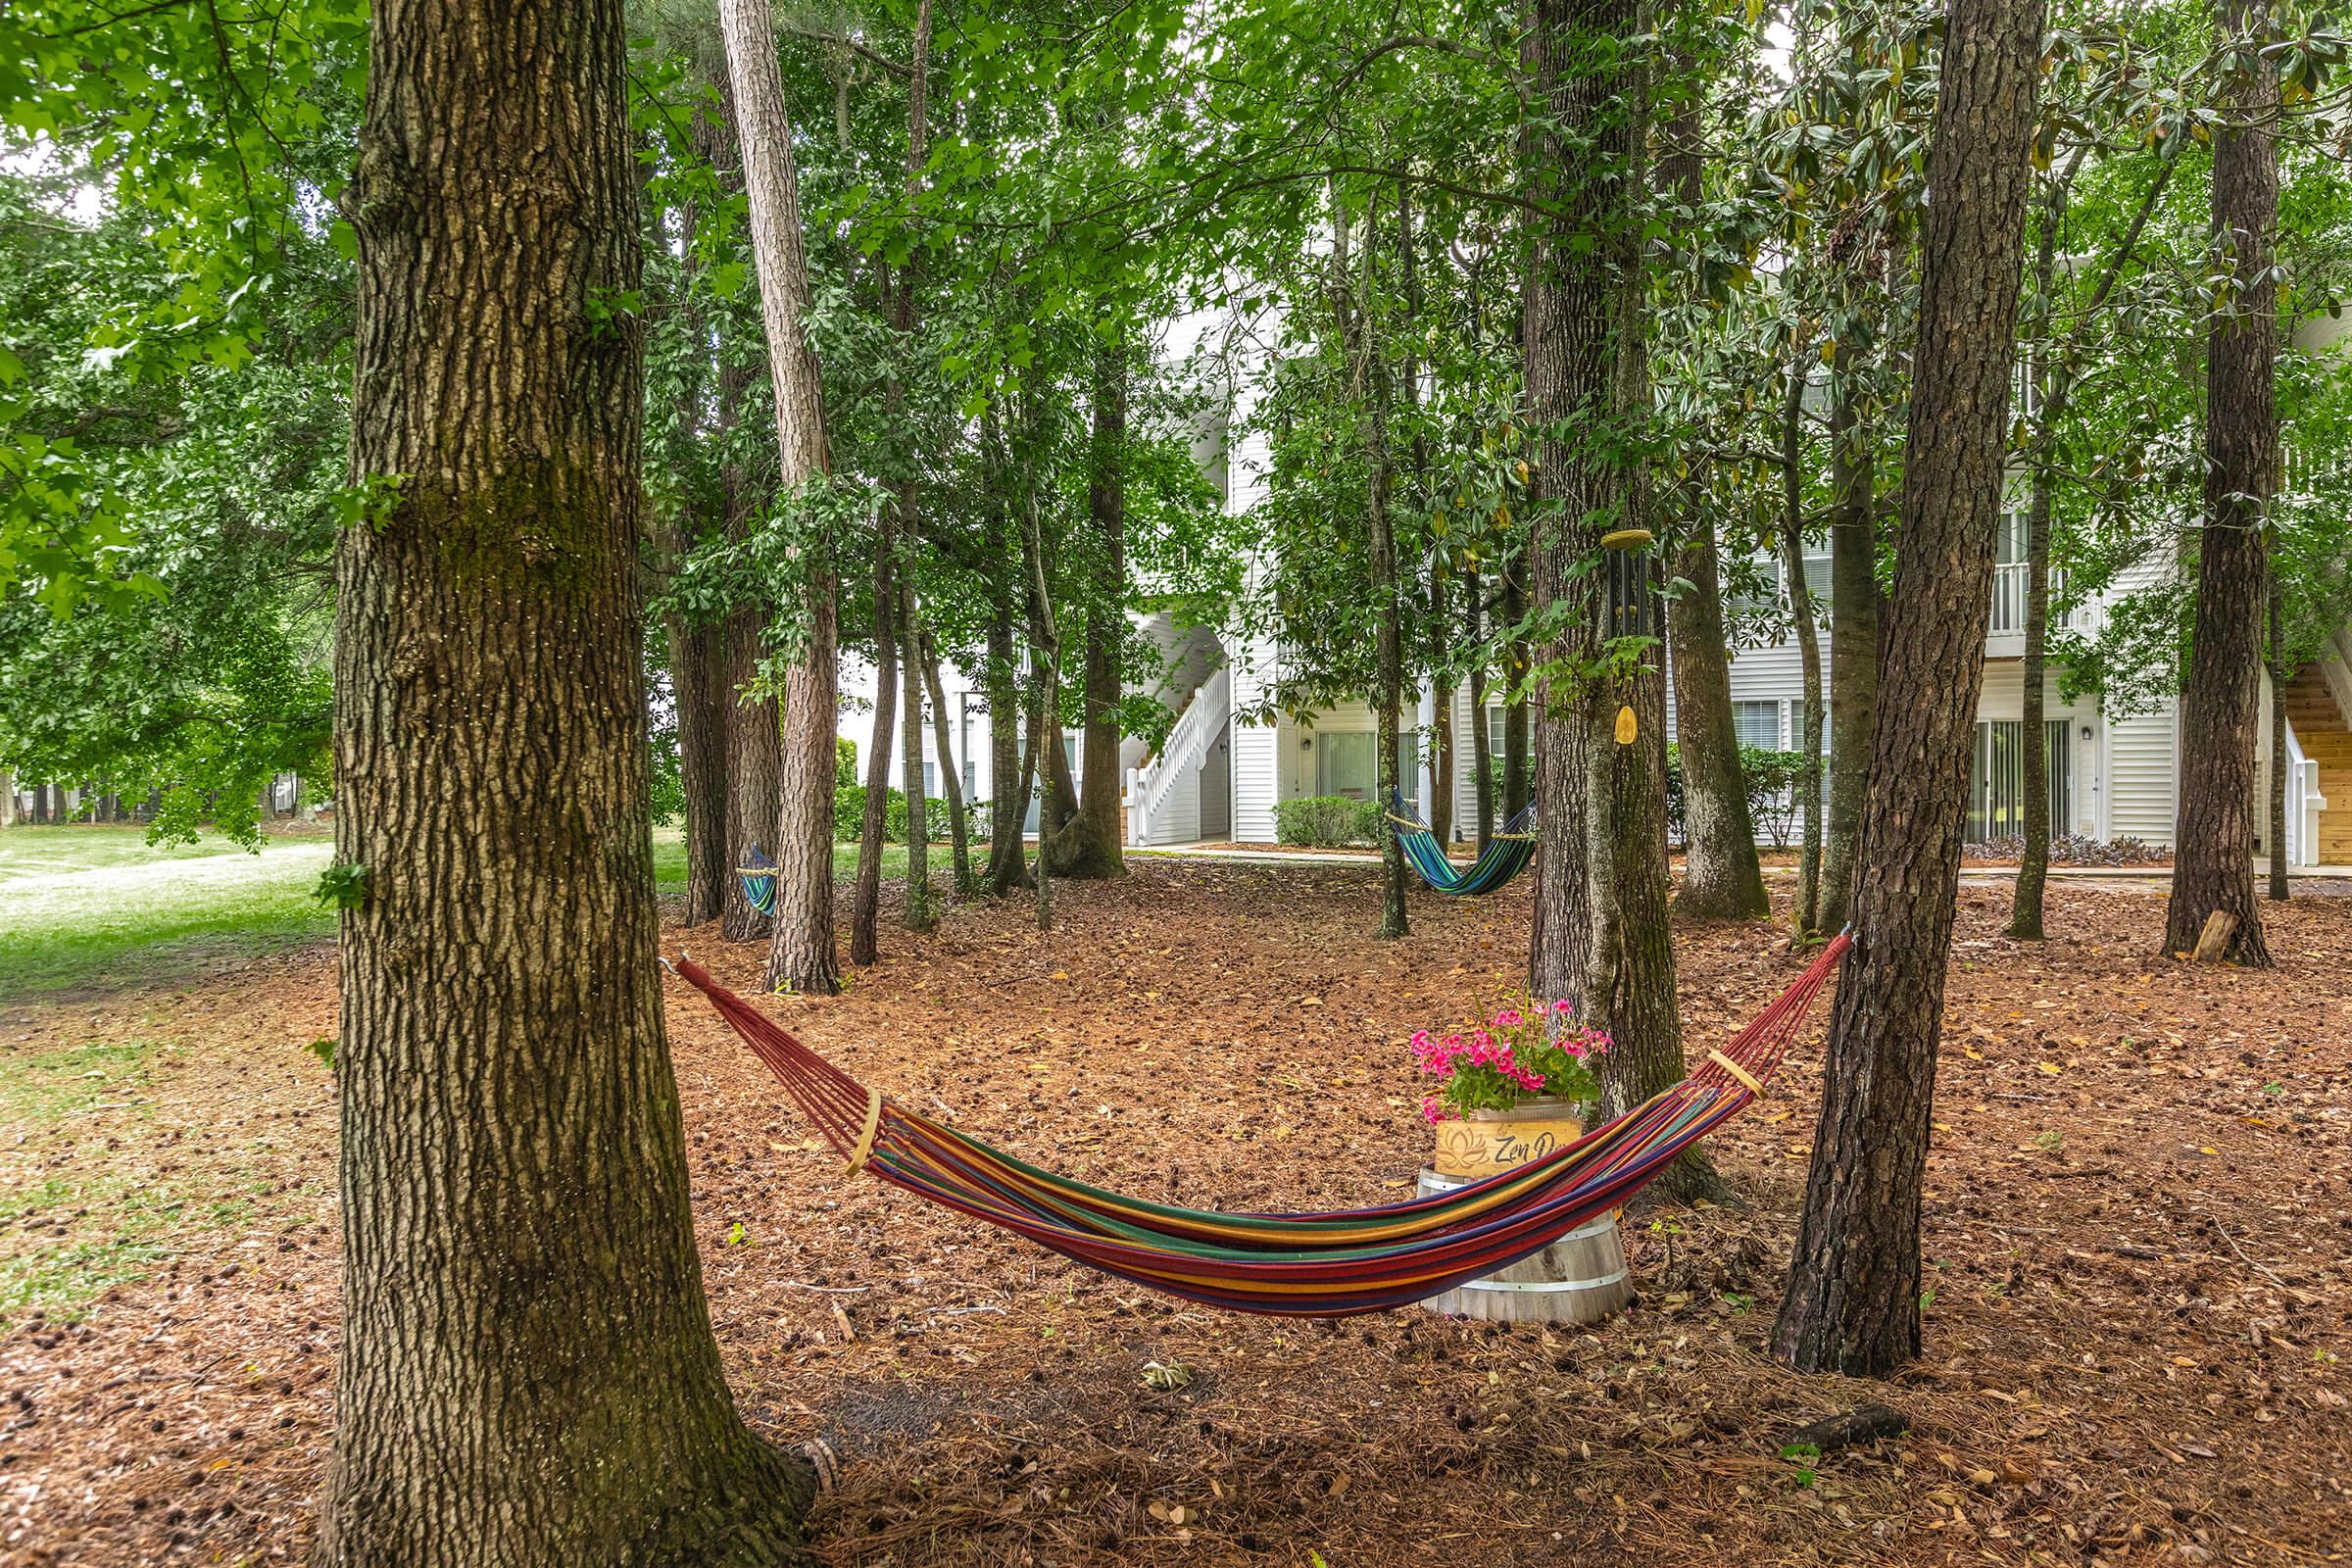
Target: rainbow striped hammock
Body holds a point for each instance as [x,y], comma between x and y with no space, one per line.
[1505,856]
[758,875]
[1296,1265]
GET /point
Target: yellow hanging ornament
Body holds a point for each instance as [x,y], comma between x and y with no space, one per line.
[1627,727]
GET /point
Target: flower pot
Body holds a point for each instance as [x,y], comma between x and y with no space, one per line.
[1484,1142]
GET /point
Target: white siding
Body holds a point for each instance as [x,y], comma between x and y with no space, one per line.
[2142,770]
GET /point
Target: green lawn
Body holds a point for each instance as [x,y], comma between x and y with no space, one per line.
[89,906]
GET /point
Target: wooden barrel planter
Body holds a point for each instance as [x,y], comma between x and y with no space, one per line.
[1581,1278]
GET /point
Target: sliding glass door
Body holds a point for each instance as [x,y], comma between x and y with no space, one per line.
[1997,788]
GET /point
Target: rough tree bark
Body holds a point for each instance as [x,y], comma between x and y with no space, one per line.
[526,1375]
[1090,843]
[2212,854]
[1853,648]
[1601,928]
[1852,1304]
[802,956]
[1008,780]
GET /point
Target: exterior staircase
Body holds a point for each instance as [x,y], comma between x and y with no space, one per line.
[2320,730]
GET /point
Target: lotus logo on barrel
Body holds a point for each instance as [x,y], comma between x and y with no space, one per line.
[1482,1147]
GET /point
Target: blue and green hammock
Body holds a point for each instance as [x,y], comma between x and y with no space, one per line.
[758,875]
[1505,856]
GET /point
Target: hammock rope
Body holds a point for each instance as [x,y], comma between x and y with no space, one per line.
[1506,854]
[758,875]
[1326,1264]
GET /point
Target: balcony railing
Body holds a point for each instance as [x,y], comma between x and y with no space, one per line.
[2008,618]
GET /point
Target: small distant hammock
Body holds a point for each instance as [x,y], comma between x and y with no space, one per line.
[758,875]
[1296,1265]
[1506,854]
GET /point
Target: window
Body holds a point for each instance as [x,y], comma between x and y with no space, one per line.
[1348,762]
[1495,730]
[1817,581]
[1757,724]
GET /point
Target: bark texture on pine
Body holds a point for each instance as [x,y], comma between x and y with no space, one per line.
[2212,855]
[1090,843]
[803,957]
[1852,1304]
[1723,879]
[526,1375]
[1008,780]
[1601,932]
[1853,650]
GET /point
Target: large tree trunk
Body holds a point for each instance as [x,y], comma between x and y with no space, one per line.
[1090,843]
[8,798]
[1807,629]
[1602,929]
[526,1373]
[1853,648]
[802,956]
[2213,846]
[1722,877]
[1853,1304]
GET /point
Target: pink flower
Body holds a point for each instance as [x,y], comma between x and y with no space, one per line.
[1508,1018]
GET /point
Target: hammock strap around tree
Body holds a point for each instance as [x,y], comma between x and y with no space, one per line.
[1505,856]
[1312,1265]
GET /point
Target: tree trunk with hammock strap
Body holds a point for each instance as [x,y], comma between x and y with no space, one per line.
[526,1375]
[1602,933]
[1852,1304]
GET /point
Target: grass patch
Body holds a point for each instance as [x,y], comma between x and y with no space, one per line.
[88,905]
[73,1242]
[57,1084]
[95,906]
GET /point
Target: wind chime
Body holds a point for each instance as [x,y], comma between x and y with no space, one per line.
[1625,602]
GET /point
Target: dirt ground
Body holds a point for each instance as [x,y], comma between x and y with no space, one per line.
[2138,1220]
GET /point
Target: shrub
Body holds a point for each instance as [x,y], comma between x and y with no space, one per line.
[1327,822]
[1773,802]
[849,817]
[845,762]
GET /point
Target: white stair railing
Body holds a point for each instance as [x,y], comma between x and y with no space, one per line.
[2299,838]
[1151,785]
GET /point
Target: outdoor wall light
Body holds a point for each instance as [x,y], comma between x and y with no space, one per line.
[2086,732]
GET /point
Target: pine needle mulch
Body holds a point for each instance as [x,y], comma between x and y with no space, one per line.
[2139,1234]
